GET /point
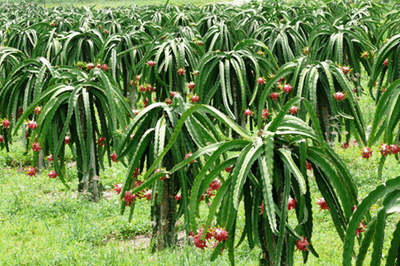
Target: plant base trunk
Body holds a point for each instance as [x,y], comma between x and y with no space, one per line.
[90,178]
[268,240]
[266,257]
[164,231]
[132,98]
[90,182]
[269,246]
[40,160]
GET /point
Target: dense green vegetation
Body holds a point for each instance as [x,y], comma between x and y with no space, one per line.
[43,223]
[265,134]
[102,3]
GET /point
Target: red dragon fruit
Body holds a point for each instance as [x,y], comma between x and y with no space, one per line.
[366,152]
[31,171]
[129,197]
[291,204]
[53,174]
[322,204]
[302,244]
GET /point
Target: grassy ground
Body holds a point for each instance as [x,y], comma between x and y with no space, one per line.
[44,224]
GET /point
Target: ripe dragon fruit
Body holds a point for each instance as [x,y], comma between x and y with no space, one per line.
[293,110]
[322,204]
[265,113]
[394,149]
[384,149]
[173,93]
[386,62]
[220,234]
[339,96]
[199,243]
[32,124]
[53,174]
[90,66]
[35,147]
[366,152]
[345,69]
[6,123]
[195,99]
[287,88]
[345,145]
[147,194]
[178,197]
[105,67]
[129,197]
[360,229]
[291,204]
[181,71]
[31,171]
[274,96]
[216,184]
[38,109]
[101,141]
[302,244]
[248,112]
[191,85]
[114,157]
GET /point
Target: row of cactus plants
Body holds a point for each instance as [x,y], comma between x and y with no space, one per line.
[173,92]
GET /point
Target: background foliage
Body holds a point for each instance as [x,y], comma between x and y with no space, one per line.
[215,84]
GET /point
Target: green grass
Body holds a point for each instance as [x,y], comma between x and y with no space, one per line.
[43,224]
